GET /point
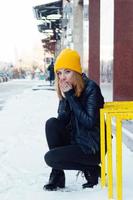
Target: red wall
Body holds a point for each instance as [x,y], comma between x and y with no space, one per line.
[123,50]
[94,40]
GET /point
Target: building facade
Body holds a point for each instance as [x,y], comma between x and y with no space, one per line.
[79,27]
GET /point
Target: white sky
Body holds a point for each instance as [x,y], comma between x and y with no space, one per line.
[106,29]
[18,29]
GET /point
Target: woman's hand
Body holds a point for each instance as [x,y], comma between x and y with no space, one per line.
[65,86]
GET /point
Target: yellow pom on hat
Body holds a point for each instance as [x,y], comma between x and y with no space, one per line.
[68,59]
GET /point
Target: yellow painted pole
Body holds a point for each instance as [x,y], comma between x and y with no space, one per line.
[102,143]
[109,156]
[119,158]
[121,111]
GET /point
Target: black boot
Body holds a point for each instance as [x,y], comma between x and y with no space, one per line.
[56,180]
[91,176]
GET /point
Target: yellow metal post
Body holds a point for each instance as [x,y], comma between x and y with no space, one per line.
[119,158]
[109,156]
[121,111]
[102,143]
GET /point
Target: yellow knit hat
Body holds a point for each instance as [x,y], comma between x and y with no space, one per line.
[68,59]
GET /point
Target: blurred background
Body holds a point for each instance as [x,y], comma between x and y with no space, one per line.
[34,31]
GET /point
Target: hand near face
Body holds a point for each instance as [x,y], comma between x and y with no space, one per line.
[65,86]
[65,77]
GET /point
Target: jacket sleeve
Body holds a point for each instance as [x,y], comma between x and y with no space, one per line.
[64,112]
[89,114]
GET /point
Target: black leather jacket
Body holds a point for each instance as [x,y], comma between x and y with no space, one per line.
[82,114]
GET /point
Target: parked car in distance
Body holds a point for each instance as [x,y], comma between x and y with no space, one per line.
[3,77]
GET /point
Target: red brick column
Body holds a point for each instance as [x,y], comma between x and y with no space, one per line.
[123,50]
[94,40]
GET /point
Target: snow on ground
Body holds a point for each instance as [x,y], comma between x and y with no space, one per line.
[22,147]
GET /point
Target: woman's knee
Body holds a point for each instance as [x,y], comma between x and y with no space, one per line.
[51,122]
[48,157]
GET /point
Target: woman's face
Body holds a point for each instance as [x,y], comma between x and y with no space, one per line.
[65,76]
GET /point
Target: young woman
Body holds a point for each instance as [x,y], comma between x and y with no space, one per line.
[74,136]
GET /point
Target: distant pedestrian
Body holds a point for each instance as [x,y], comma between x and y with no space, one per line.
[74,136]
[51,73]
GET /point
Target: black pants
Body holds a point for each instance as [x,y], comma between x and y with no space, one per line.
[63,155]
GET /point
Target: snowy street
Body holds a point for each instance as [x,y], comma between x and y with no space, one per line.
[22,147]
[14,87]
